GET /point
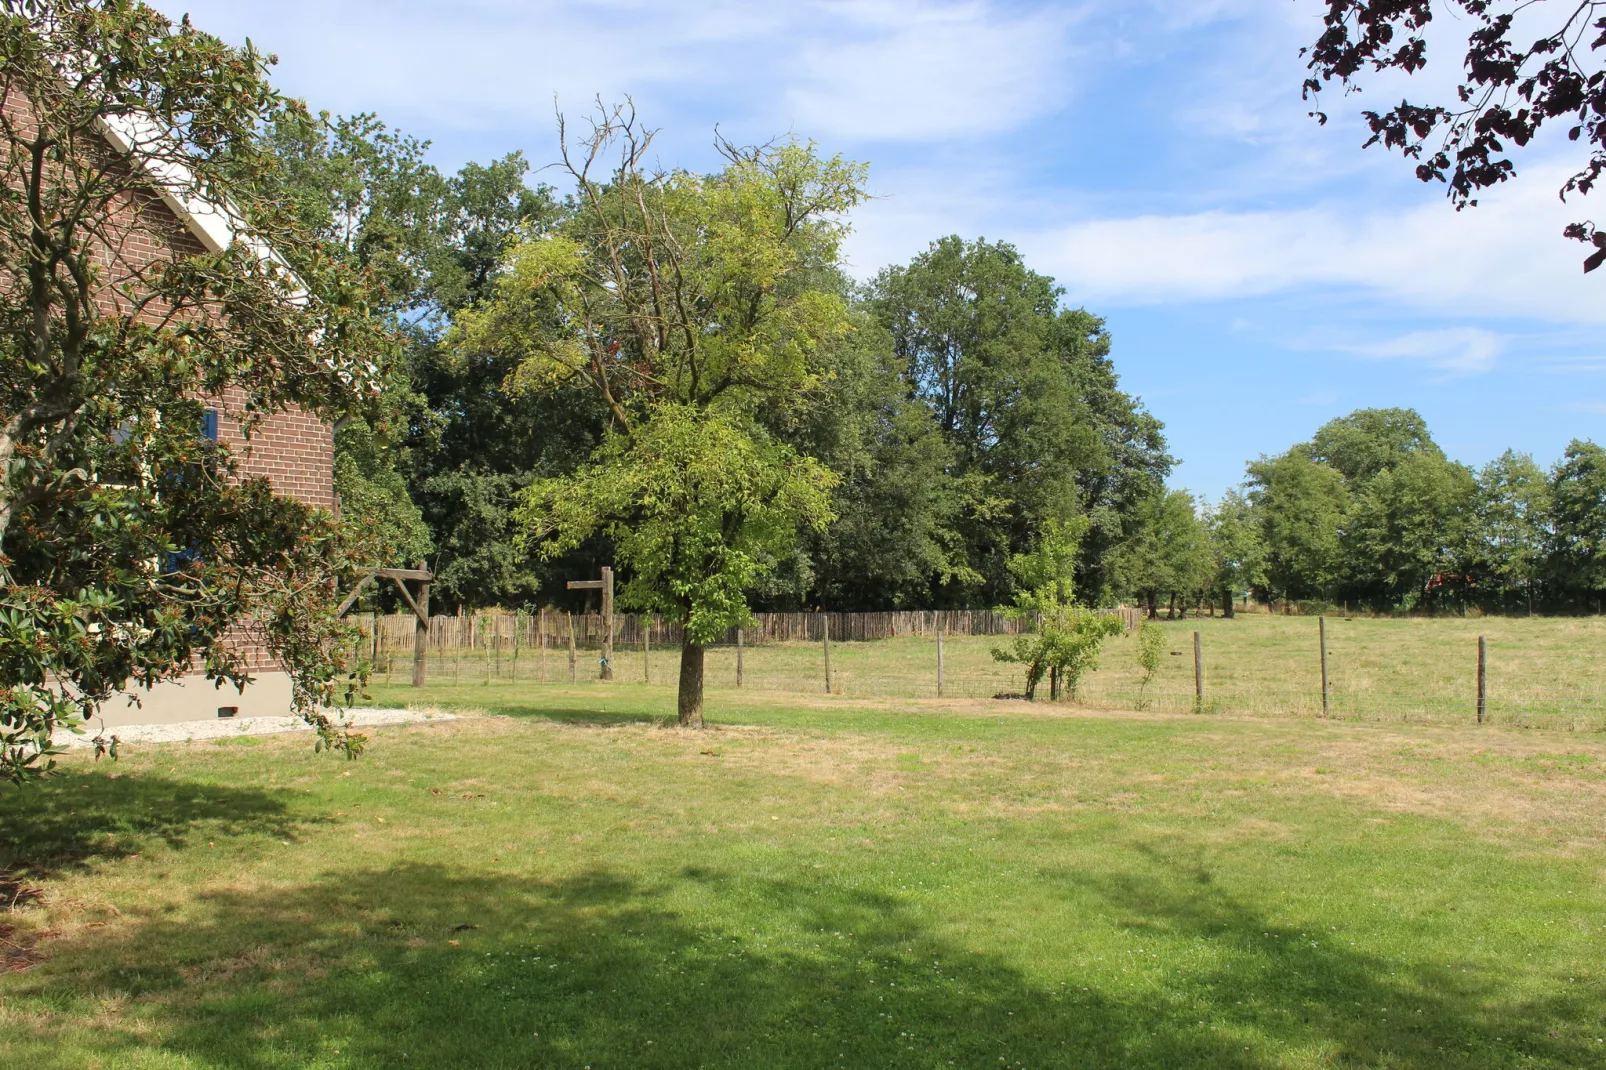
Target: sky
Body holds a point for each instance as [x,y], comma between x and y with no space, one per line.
[1260,274]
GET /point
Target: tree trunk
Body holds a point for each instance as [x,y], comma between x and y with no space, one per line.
[1226,603]
[690,705]
[1154,610]
[1053,685]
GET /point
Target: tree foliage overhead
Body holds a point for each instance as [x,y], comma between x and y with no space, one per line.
[1526,65]
[129,548]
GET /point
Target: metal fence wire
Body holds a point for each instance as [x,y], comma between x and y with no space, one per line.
[1546,672]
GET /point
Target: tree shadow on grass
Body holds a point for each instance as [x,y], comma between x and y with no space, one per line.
[420,965]
[599,715]
[1305,987]
[73,820]
[597,971]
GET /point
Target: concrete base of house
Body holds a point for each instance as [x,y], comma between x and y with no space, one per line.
[195,698]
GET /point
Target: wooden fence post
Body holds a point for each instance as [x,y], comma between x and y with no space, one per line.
[421,634]
[738,657]
[1483,676]
[825,638]
[1198,674]
[646,648]
[571,649]
[606,672]
[939,661]
[1321,630]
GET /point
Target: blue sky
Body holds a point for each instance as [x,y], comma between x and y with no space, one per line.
[1260,274]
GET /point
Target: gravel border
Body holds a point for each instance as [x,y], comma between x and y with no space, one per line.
[229,727]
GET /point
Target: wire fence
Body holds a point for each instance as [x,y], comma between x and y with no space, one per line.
[1537,673]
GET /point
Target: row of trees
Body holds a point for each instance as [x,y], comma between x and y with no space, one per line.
[952,407]
[1371,513]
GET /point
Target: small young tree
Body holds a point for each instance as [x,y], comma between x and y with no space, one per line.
[1065,639]
[1151,652]
[128,549]
[688,305]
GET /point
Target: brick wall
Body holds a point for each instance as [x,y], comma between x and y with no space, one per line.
[294,449]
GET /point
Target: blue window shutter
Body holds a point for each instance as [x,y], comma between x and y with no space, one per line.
[209,425]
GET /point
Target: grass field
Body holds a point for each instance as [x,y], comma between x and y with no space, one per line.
[817,883]
[1541,671]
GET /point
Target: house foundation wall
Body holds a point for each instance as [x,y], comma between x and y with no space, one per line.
[195,698]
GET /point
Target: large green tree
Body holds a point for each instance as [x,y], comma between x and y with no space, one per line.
[128,549]
[1301,504]
[1237,548]
[1167,553]
[1028,401]
[1407,534]
[1578,524]
[695,309]
[1512,529]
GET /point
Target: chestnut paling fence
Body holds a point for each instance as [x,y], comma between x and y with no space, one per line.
[1373,669]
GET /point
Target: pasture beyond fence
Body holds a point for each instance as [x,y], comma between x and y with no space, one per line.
[1522,671]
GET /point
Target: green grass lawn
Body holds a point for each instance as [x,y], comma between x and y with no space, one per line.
[1542,671]
[816,883]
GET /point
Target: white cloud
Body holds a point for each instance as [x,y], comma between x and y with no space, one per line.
[1506,257]
[1457,350]
[832,69]
[923,71]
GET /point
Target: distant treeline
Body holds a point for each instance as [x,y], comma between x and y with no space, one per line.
[1372,514]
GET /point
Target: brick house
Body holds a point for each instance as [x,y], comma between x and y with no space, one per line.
[293,450]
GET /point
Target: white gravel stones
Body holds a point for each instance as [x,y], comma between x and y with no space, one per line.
[228,727]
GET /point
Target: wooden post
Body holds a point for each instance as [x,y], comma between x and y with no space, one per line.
[606,666]
[939,661]
[605,585]
[493,650]
[540,641]
[572,667]
[646,648]
[1198,673]
[518,621]
[1321,631]
[1483,676]
[738,657]
[825,638]
[420,633]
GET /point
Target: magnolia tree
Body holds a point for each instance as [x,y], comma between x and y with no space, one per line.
[696,308]
[130,551]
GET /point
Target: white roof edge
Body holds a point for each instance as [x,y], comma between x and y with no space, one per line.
[217,227]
